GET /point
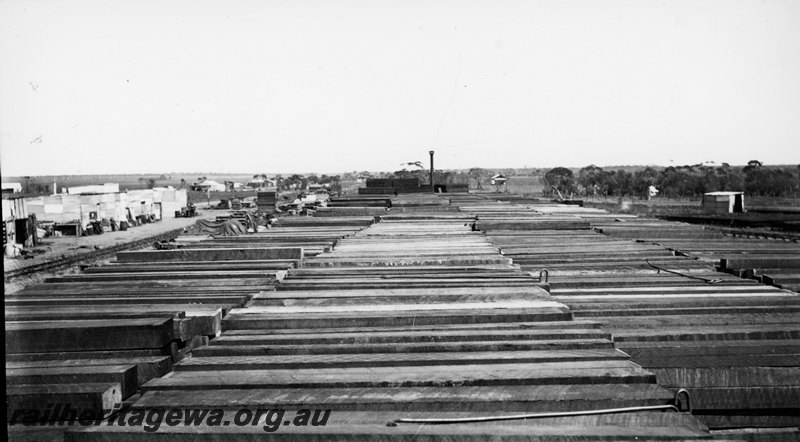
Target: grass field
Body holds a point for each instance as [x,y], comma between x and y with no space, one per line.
[523,185]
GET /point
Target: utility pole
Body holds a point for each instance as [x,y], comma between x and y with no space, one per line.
[432,187]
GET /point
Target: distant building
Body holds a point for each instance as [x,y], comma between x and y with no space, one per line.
[15,213]
[260,183]
[208,186]
[94,189]
[12,188]
[723,202]
[499,179]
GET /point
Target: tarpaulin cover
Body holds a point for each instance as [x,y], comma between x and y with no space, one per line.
[230,227]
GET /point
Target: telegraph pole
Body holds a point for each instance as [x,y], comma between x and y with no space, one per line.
[432,188]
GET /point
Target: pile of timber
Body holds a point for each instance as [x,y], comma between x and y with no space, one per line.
[381,186]
[400,204]
[91,340]
[411,319]
[349,222]
[733,343]
[360,201]
[768,260]
[266,200]
[312,245]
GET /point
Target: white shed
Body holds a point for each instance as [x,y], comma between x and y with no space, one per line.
[723,202]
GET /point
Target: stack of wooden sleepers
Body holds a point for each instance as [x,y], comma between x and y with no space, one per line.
[770,260]
[266,200]
[654,285]
[92,339]
[411,318]
[359,201]
[378,206]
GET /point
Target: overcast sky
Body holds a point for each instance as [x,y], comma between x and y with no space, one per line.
[333,86]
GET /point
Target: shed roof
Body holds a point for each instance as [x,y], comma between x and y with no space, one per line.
[723,193]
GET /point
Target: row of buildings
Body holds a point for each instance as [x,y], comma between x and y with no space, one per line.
[206,185]
[74,211]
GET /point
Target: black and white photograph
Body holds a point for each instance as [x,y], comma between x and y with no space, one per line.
[384,220]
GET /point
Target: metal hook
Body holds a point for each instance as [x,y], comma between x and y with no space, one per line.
[546,275]
[678,403]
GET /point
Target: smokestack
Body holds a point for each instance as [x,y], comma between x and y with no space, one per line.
[432,189]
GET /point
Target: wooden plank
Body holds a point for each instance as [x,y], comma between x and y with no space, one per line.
[393,359]
[403,347]
[716,360]
[61,313]
[735,321]
[284,300]
[27,403]
[263,276]
[124,375]
[613,311]
[708,333]
[38,336]
[171,284]
[227,301]
[409,261]
[746,398]
[728,377]
[100,354]
[528,398]
[152,287]
[394,318]
[433,328]
[192,266]
[217,254]
[147,367]
[751,290]
[414,336]
[376,284]
[715,347]
[594,372]
[205,321]
[305,222]
[750,261]
[372,426]
[759,419]
[532,293]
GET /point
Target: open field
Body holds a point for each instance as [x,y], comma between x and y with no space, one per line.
[523,185]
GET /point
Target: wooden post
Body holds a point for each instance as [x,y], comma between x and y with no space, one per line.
[432,187]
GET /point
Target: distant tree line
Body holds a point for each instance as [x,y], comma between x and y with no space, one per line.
[414,169]
[299,182]
[424,175]
[30,185]
[678,181]
[475,177]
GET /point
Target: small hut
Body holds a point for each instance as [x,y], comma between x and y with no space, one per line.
[499,181]
[723,202]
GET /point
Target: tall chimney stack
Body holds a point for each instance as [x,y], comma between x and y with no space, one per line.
[432,189]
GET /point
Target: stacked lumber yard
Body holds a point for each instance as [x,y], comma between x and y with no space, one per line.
[414,316]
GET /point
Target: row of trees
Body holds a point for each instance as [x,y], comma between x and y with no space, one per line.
[476,176]
[413,170]
[296,181]
[680,181]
